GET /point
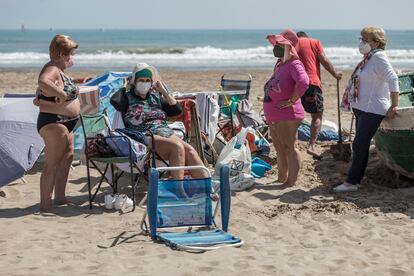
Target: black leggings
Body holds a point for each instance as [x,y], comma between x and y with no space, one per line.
[366,126]
[50,118]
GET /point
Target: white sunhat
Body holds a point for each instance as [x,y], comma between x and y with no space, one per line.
[141,66]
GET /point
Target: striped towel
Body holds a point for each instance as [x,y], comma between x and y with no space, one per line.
[89,99]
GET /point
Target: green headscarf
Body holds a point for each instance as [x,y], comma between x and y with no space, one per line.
[144,73]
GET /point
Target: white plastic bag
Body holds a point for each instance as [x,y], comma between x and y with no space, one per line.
[236,154]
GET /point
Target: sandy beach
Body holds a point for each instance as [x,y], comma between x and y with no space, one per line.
[303,230]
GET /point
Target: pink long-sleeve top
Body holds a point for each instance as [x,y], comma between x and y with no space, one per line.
[286,77]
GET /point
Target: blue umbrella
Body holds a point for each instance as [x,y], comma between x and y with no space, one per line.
[20,143]
[108,84]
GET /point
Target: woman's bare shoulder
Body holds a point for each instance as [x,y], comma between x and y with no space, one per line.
[50,70]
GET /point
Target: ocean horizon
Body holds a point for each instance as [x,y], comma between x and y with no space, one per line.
[182,49]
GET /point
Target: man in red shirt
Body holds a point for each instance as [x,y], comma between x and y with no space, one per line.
[312,55]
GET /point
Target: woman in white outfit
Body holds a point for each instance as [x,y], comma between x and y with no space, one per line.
[372,93]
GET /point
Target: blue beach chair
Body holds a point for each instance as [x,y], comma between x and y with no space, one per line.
[178,204]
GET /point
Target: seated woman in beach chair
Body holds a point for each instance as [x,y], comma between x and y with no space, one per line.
[145,105]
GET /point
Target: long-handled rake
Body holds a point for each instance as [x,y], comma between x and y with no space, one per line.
[342,150]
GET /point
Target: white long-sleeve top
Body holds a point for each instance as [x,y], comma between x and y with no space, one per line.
[376,81]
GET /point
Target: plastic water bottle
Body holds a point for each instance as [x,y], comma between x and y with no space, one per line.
[241,137]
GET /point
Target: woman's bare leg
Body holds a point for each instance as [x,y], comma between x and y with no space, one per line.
[282,162]
[192,159]
[52,134]
[172,150]
[62,171]
[290,128]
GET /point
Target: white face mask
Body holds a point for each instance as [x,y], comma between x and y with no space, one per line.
[364,47]
[69,63]
[142,88]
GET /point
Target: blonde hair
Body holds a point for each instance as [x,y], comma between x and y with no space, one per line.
[377,35]
[61,45]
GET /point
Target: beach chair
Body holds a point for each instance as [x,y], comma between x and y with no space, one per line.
[99,123]
[228,104]
[89,99]
[177,205]
[248,117]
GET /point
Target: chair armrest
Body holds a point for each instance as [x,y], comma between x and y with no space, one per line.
[182,131]
[149,132]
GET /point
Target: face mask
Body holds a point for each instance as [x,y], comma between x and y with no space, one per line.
[69,63]
[142,88]
[364,48]
[278,51]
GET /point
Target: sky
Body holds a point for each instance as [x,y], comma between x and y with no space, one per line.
[210,14]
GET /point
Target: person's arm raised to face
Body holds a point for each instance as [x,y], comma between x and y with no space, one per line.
[161,89]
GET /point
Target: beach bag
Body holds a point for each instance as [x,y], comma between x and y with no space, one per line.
[241,182]
[119,144]
[236,154]
[246,115]
[97,147]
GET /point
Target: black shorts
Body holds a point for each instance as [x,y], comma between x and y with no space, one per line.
[312,100]
[50,118]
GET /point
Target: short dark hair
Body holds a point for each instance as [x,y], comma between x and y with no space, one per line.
[301,34]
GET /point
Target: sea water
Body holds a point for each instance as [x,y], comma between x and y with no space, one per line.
[187,49]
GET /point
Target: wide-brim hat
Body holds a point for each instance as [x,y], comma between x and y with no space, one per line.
[287,37]
[142,66]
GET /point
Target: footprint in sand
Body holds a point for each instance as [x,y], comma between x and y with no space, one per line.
[397,272]
[11,193]
[249,258]
[268,268]
[251,229]
[241,265]
[140,253]
[308,244]
[162,256]
[206,269]
[214,263]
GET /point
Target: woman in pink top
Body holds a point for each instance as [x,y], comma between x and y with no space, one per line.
[282,106]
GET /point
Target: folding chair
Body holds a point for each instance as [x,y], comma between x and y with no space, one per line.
[228,103]
[248,117]
[178,204]
[98,123]
[89,99]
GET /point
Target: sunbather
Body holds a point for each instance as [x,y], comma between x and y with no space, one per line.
[59,110]
[145,107]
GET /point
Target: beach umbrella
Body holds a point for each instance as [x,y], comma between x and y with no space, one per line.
[20,143]
[108,83]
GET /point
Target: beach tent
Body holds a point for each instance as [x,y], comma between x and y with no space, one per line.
[20,143]
[108,84]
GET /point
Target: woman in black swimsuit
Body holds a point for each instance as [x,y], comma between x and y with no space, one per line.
[59,111]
